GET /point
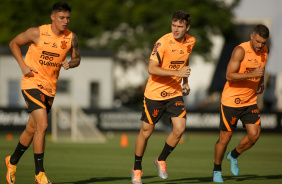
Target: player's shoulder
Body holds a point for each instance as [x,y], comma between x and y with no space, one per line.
[45,27]
[238,53]
[245,46]
[239,50]
[266,49]
[68,32]
[190,39]
[32,32]
[166,38]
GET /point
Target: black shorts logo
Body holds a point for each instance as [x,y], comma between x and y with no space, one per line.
[179,103]
[156,113]
[237,100]
[255,111]
[42,97]
[233,120]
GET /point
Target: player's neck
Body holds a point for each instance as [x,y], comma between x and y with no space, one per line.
[181,40]
[56,31]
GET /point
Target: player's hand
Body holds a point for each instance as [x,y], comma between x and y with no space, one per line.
[28,71]
[184,72]
[258,72]
[185,89]
[260,89]
[65,64]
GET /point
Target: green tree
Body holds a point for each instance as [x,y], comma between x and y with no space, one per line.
[128,28]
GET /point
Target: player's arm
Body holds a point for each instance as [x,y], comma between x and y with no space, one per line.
[185,85]
[155,69]
[75,55]
[233,67]
[30,35]
[261,88]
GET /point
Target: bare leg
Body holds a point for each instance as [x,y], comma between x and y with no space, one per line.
[40,118]
[142,139]
[220,146]
[27,135]
[24,141]
[250,139]
[179,125]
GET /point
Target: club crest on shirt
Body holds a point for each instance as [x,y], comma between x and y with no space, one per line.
[263,57]
[189,49]
[64,44]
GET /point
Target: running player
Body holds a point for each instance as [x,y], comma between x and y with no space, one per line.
[49,45]
[168,67]
[245,79]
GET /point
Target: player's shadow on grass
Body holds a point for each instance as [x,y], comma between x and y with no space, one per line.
[252,177]
[225,178]
[102,179]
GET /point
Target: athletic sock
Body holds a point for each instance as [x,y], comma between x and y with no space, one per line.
[137,163]
[166,151]
[234,153]
[38,159]
[19,151]
[217,167]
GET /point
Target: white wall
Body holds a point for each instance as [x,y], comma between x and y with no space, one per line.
[91,69]
[9,70]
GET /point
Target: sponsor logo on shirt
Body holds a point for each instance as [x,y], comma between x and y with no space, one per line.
[165,94]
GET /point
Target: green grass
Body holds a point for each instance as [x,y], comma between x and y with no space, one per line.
[190,162]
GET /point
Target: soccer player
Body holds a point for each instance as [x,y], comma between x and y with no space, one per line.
[245,79]
[168,67]
[49,45]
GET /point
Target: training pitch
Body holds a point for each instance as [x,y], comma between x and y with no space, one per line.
[191,162]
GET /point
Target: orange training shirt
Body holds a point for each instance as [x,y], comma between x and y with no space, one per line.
[171,55]
[46,58]
[244,92]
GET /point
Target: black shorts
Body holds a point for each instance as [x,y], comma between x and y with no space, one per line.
[154,109]
[35,99]
[229,116]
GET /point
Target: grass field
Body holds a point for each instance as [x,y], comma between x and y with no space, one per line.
[190,162]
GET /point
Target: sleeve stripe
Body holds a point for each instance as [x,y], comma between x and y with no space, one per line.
[159,58]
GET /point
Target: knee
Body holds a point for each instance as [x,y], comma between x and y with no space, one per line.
[253,137]
[30,129]
[178,131]
[41,127]
[224,140]
[145,133]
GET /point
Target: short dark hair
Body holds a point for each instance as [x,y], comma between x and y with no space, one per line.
[58,7]
[182,16]
[261,30]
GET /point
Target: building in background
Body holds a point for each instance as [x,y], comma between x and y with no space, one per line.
[89,86]
[248,14]
[93,85]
